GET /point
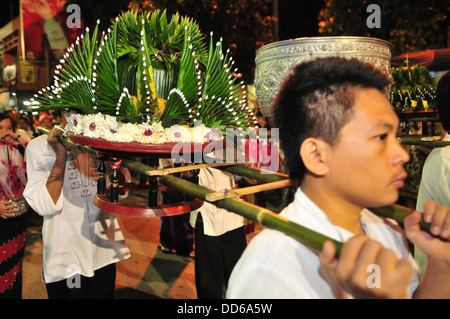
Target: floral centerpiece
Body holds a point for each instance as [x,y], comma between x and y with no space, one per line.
[148,79]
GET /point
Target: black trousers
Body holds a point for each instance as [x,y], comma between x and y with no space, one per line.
[100,286]
[177,234]
[215,258]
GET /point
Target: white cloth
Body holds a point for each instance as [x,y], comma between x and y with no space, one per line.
[434,185]
[275,265]
[78,237]
[216,220]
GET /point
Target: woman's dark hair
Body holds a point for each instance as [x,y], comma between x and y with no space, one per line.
[316,100]
[443,100]
[4,116]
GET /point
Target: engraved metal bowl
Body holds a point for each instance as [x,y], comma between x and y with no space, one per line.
[275,60]
[22,206]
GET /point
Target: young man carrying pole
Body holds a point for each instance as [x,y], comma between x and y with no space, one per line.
[338,134]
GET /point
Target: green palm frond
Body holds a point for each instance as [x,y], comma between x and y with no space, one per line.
[72,85]
[181,99]
[222,102]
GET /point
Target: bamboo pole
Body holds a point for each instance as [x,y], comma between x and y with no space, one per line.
[173,170]
[258,214]
[215,196]
[259,174]
[398,213]
[412,140]
[67,141]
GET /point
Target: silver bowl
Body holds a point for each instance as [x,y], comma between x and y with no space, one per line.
[275,60]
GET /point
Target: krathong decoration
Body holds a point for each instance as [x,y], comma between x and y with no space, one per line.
[148,79]
[413,88]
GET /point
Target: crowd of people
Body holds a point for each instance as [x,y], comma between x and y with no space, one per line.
[338,134]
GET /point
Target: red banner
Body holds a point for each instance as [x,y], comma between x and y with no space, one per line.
[45,23]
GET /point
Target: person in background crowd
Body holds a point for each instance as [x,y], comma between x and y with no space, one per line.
[82,243]
[44,120]
[219,238]
[435,181]
[24,125]
[13,220]
[338,132]
[56,117]
[176,234]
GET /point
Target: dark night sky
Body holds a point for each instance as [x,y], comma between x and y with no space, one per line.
[5,11]
[297,18]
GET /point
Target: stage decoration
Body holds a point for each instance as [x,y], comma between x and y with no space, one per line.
[413,88]
[148,79]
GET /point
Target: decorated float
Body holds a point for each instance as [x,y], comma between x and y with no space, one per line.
[150,87]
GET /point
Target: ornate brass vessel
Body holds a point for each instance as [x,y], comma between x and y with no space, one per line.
[275,60]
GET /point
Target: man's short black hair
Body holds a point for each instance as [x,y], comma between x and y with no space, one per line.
[316,100]
[443,100]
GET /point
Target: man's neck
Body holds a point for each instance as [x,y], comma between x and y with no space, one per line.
[339,211]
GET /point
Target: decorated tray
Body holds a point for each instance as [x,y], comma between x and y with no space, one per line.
[133,202]
[163,150]
[132,207]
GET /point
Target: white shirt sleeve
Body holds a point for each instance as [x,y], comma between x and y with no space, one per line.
[40,161]
[435,182]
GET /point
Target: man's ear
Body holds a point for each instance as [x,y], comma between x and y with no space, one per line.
[313,152]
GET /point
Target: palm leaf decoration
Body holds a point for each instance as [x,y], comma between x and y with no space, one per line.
[221,104]
[148,68]
[72,85]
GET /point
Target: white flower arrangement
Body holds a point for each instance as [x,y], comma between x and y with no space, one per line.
[109,128]
[74,123]
[178,133]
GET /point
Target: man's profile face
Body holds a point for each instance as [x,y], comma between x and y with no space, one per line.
[366,167]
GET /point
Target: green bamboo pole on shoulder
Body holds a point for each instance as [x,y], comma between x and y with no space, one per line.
[398,213]
[258,214]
